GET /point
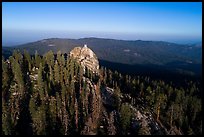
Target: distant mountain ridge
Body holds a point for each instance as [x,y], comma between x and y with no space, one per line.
[121,51]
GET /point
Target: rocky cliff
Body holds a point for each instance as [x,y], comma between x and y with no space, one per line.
[86,57]
[92,99]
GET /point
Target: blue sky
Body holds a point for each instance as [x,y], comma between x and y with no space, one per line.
[167,21]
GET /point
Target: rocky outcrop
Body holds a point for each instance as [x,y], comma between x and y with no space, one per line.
[93,101]
[92,97]
[86,57]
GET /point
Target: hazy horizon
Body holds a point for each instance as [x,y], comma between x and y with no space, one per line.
[29,40]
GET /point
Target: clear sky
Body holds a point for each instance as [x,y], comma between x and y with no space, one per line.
[167,21]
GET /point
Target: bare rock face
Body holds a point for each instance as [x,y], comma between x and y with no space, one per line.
[92,99]
[86,57]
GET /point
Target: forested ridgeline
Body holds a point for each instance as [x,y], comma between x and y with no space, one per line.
[52,95]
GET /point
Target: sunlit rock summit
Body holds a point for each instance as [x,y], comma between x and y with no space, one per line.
[86,57]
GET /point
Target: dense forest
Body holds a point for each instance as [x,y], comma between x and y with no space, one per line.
[173,105]
[52,95]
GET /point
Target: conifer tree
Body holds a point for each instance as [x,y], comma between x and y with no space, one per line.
[28,59]
[125,118]
[7,125]
[40,81]
[37,59]
[56,72]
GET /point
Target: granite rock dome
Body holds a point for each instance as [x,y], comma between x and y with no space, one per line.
[86,57]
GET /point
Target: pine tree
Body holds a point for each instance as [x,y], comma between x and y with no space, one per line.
[170,115]
[56,72]
[49,56]
[28,59]
[125,118]
[116,97]
[40,82]
[18,76]
[52,112]
[161,98]
[37,59]
[17,56]
[7,125]
[42,123]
